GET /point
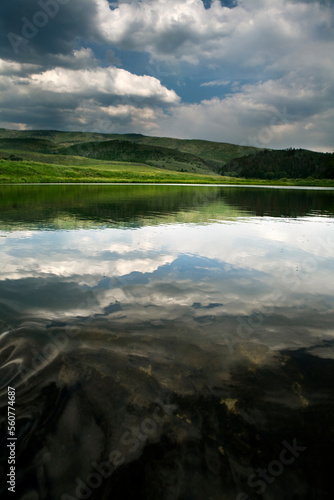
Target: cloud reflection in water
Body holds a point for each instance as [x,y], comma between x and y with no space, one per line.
[98,323]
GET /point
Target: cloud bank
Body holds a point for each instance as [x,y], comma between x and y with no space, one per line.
[253,72]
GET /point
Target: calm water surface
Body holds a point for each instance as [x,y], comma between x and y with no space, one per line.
[167,342]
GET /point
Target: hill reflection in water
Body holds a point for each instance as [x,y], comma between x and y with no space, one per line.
[71,205]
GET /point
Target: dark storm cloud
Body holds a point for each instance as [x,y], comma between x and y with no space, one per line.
[44,27]
[237,64]
[224,3]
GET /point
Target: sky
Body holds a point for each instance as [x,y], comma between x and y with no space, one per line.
[250,72]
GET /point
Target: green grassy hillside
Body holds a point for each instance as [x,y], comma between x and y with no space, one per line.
[174,154]
[54,156]
[217,153]
[28,144]
[156,156]
[20,171]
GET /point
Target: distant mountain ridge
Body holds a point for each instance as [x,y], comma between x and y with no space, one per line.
[196,156]
[180,155]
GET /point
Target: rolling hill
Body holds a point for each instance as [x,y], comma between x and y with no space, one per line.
[55,156]
[195,156]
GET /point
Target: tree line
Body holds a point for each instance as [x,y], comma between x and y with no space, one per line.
[279,164]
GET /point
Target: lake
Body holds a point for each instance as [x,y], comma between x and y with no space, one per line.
[166,342]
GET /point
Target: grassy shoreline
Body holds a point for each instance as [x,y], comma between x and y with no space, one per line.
[93,172]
